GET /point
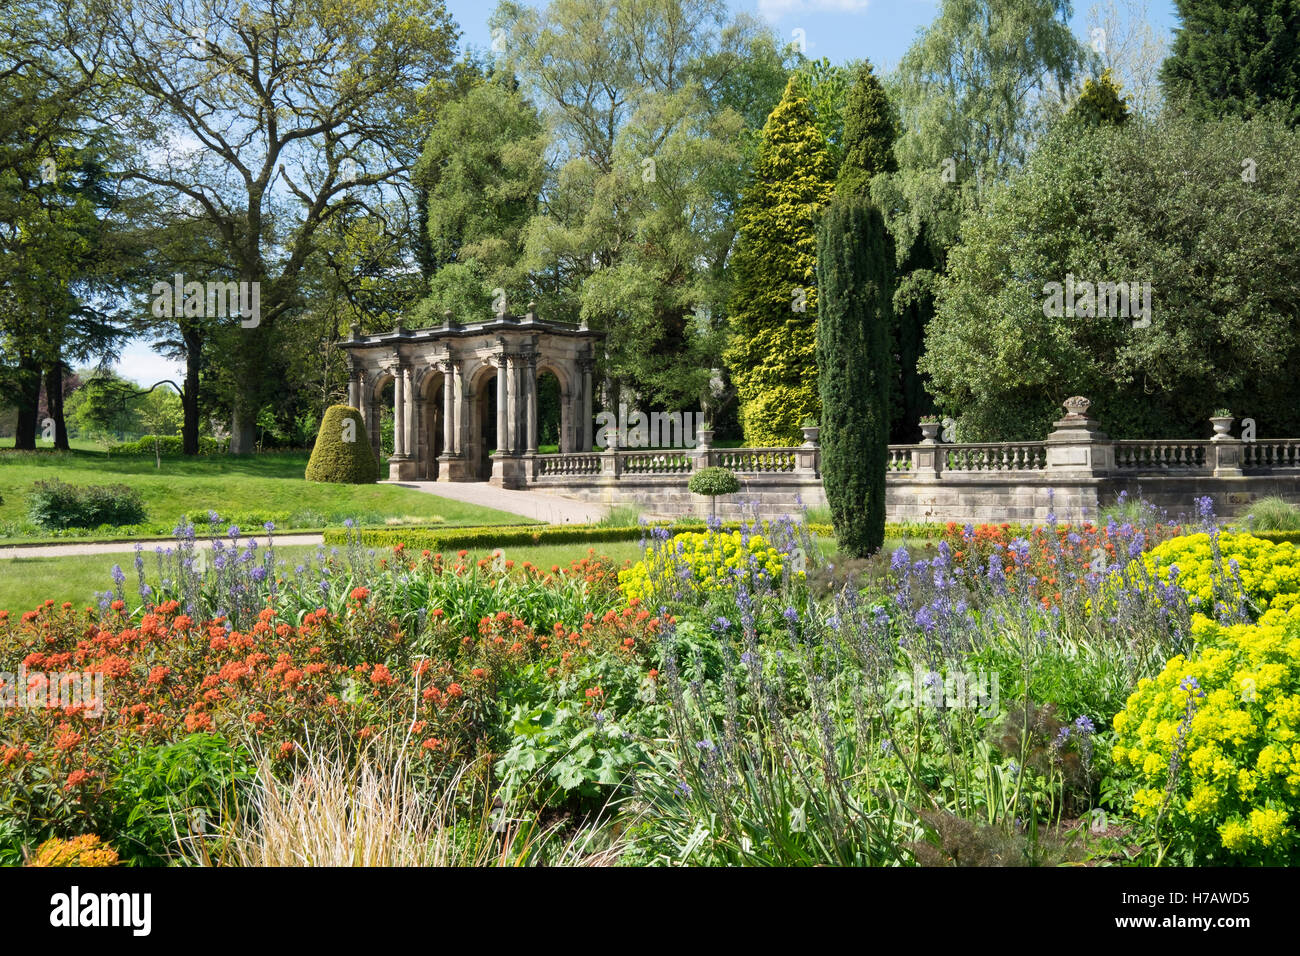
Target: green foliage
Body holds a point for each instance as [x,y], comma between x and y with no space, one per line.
[482,171]
[1232,58]
[1278,537]
[343,458]
[870,128]
[176,788]
[772,349]
[855,275]
[1100,102]
[1204,750]
[713,481]
[169,446]
[1273,513]
[478,539]
[53,504]
[1160,202]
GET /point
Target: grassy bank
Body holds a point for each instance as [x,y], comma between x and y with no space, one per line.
[265,487]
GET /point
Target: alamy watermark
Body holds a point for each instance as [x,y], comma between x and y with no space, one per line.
[956,690]
[54,689]
[1088,300]
[656,430]
[216,300]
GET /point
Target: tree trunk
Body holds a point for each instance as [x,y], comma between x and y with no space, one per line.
[28,399]
[190,394]
[54,404]
[243,430]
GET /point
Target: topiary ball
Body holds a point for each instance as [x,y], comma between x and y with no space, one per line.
[713,481]
[342,454]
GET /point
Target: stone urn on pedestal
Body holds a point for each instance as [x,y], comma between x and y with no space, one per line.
[1222,421]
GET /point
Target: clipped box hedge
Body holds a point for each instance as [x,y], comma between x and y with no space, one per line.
[486,538]
[1277,537]
[171,446]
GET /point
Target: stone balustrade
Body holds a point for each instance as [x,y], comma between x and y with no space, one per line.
[1072,473]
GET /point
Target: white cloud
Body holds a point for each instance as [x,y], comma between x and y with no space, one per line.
[144,366]
[776,9]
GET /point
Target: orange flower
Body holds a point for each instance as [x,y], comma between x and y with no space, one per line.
[360,594]
[77,778]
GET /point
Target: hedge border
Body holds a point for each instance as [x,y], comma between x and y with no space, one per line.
[500,537]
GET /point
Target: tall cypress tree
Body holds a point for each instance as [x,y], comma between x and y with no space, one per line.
[1231,58]
[870,128]
[772,350]
[855,270]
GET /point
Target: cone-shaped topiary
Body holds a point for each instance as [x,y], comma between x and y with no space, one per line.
[342,454]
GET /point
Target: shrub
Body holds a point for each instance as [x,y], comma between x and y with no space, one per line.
[709,560]
[342,454]
[713,481]
[1246,567]
[1273,514]
[1208,746]
[855,262]
[486,538]
[171,446]
[88,850]
[174,788]
[55,505]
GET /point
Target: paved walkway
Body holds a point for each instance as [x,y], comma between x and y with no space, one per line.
[127,547]
[531,505]
[535,505]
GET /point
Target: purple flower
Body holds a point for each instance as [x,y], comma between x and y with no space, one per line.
[1084,725]
[269,526]
[233,531]
[899,560]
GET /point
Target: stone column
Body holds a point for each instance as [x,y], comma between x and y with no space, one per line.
[530,390]
[448,408]
[516,399]
[411,442]
[586,365]
[399,413]
[501,404]
[354,385]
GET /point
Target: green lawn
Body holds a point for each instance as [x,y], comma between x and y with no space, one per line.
[26,582]
[266,487]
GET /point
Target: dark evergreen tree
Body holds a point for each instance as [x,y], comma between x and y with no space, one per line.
[855,271]
[1231,58]
[870,128]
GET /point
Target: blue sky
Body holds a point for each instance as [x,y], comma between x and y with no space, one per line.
[839,30]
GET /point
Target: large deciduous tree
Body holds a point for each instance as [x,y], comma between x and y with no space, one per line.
[269,121]
[1167,203]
